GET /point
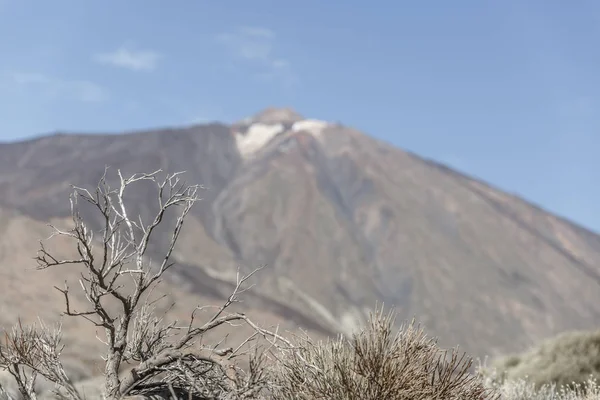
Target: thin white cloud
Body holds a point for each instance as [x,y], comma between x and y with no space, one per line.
[25,78]
[80,90]
[255,46]
[87,91]
[257,31]
[134,60]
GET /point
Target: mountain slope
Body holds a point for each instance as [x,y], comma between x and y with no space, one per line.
[342,221]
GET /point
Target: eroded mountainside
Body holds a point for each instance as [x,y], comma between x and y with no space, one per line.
[340,220]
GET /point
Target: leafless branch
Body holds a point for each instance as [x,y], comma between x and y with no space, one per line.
[32,351]
[168,357]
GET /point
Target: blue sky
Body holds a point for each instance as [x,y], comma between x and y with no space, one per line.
[503,90]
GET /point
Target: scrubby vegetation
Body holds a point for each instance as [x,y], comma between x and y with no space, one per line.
[570,361]
[522,389]
[170,360]
[377,364]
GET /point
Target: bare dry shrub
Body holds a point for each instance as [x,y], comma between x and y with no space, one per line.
[376,364]
[169,358]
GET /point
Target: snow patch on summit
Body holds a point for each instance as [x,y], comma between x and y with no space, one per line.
[257,136]
[313,126]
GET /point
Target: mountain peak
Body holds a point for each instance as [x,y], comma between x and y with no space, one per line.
[275,114]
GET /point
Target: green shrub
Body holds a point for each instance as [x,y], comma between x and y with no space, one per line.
[567,360]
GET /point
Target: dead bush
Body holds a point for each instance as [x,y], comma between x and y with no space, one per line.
[376,364]
[117,278]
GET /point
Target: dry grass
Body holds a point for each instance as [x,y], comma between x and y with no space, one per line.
[376,364]
[522,389]
[379,364]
